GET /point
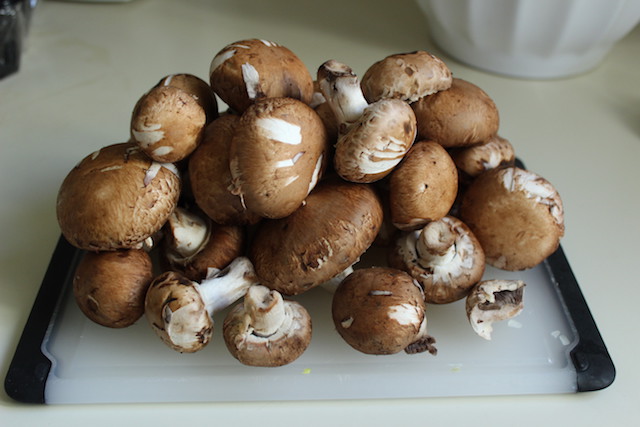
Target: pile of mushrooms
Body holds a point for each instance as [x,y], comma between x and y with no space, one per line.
[288,188]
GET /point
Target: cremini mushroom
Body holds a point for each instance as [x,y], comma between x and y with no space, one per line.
[381,310]
[199,90]
[116,198]
[110,287]
[193,244]
[423,187]
[460,116]
[492,301]
[248,70]
[476,159]
[444,257]
[406,76]
[373,138]
[516,215]
[336,225]
[180,311]
[266,330]
[277,156]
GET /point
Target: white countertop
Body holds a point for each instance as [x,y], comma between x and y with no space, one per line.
[85,65]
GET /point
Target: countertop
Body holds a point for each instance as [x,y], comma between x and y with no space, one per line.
[85,65]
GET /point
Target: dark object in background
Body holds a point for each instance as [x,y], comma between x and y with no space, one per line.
[15,17]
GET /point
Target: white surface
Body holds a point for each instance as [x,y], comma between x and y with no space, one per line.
[81,76]
[530,38]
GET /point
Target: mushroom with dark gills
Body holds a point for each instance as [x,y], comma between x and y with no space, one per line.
[180,311]
[116,198]
[373,138]
[381,310]
[491,301]
[266,330]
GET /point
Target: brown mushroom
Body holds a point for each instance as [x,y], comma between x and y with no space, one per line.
[474,160]
[444,257]
[199,90]
[381,310]
[492,301]
[336,225]
[460,116]
[116,198]
[266,330]
[423,187]
[110,287]
[406,76]
[248,70]
[516,215]
[276,156]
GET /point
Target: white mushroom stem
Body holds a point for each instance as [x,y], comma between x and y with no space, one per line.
[265,310]
[341,88]
[436,244]
[423,341]
[188,233]
[226,286]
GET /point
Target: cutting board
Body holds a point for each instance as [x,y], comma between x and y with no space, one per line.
[553,346]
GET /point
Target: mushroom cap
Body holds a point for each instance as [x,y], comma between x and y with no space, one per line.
[406,76]
[329,233]
[378,310]
[167,123]
[476,159]
[442,282]
[371,147]
[423,187]
[110,287]
[177,313]
[279,348]
[116,198]
[277,155]
[210,176]
[198,88]
[516,215]
[492,301]
[460,116]
[248,70]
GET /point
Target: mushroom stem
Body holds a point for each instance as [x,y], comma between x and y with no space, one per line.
[436,244]
[188,233]
[341,88]
[265,310]
[423,342]
[224,287]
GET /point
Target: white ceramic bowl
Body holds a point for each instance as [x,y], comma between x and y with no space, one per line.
[530,38]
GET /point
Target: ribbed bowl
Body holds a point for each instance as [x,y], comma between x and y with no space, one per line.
[535,39]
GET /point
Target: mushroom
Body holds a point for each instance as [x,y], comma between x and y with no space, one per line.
[516,215]
[444,257]
[199,90]
[167,123]
[423,187]
[193,244]
[180,311]
[266,330]
[116,198]
[492,301]
[373,138]
[322,238]
[248,70]
[460,116]
[276,156]
[110,287]
[476,159]
[406,76]
[381,310]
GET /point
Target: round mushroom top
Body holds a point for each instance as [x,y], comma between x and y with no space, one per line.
[423,187]
[116,198]
[460,116]
[378,310]
[277,155]
[406,76]
[325,236]
[516,215]
[199,90]
[247,70]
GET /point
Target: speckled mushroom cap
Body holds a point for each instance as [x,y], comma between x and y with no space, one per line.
[336,225]
[474,160]
[406,76]
[167,123]
[116,198]
[198,88]
[277,155]
[460,116]
[210,176]
[247,70]
[423,187]
[516,215]
[378,310]
[110,287]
